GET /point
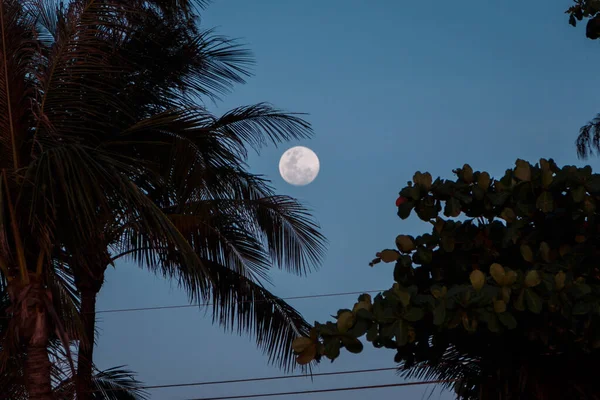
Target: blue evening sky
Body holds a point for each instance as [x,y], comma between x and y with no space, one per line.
[391,87]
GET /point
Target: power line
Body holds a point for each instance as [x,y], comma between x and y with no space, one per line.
[267,378]
[344,389]
[117,310]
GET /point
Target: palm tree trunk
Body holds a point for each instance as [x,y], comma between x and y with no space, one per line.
[86,348]
[88,286]
[37,372]
[29,302]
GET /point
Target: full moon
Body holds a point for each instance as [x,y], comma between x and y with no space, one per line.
[299,166]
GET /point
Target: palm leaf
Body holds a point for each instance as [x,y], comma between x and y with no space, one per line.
[240,305]
[588,140]
[261,123]
[115,383]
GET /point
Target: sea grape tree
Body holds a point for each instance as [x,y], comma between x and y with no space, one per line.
[500,299]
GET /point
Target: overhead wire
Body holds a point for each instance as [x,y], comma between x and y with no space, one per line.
[316,296]
[118,310]
[313,391]
[259,379]
[270,378]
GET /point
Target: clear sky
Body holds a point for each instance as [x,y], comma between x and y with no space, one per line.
[391,87]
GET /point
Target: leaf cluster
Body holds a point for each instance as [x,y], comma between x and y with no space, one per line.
[509,266]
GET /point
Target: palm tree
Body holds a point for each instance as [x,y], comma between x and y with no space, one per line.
[233,221]
[106,154]
[115,383]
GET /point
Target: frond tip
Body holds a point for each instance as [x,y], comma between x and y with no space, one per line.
[588,140]
[246,307]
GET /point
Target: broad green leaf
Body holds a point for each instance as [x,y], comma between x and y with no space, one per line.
[405,243]
[404,297]
[499,306]
[345,321]
[564,249]
[439,314]
[589,205]
[362,306]
[405,209]
[593,184]
[581,308]
[423,255]
[372,333]
[508,320]
[545,251]
[510,278]
[477,279]
[580,289]
[467,173]
[448,243]
[353,345]
[478,193]
[498,273]
[545,202]
[578,194]
[401,332]
[332,348]
[365,298]
[493,324]
[520,301]
[307,355]
[414,314]
[508,214]
[363,313]
[498,199]
[532,279]
[414,193]
[523,171]
[559,280]
[469,324]
[439,292]
[505,293]
[533,301]
[483,181]
[388,330]
[302,343]
[423,180]
[527,253]
[360,327]
[452,208]
[388,255]
[464,198]
[547,178]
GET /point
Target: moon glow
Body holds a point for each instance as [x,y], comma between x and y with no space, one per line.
[299,166]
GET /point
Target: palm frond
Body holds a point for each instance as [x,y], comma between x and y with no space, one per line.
[293,238]
[220,237]
[260,124]
[115,383]
[16,55]
[588,140]
[240,305]
[118,384]
[285,227]
[457,371]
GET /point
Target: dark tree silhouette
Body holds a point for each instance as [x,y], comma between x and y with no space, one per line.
[501,299]
[588,141]
[107,152]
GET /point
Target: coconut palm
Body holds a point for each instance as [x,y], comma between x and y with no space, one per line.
[115,383]
[236,225]
[106,153]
